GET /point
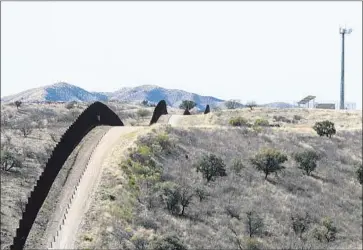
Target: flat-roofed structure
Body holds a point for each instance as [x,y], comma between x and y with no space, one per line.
[325,106]
[306,101]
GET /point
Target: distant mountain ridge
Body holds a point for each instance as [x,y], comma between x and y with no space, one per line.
[65,92]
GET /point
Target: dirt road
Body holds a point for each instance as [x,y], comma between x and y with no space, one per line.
[66,236]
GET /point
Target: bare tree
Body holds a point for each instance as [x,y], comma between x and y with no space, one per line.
[251,105]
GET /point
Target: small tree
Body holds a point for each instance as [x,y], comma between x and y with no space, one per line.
[9,161]
[307,160]
[254,224]
[300,224]
[269,161]
[186,196]
[17,104]
[251,105]
[25,128]
[324,128]
[186,104]
[211,166]
[232,104]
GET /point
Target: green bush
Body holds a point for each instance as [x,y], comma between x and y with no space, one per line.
[307,160]
[168,242]
[261,122]
[269,161]
[326,232]
[238,121]
[211,166]
[324,128]
[10,160]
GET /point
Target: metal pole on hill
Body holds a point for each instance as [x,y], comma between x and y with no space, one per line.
[343,31]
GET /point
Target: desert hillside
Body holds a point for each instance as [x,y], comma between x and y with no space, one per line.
[152,195]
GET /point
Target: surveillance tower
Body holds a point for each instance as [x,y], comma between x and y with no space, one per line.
[343,31]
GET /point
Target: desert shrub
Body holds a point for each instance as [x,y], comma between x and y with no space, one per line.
[269,161]
[261,122]
[168,242]
[237,166]
[324,128]
[238,121]
[211,166]
[10,160]
[359,173]
[300,224]
[254,224]
[280,118]
[143,113]
[164,141]
[253,244]
[70,105]
[307,160]
[186,104]
[326,232]
[297,117]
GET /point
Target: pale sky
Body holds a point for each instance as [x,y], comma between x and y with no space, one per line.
[261,51]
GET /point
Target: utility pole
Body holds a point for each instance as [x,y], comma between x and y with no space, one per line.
[343,31]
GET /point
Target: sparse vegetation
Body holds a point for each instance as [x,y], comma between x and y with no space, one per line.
[133,214]
[307,160]
[325,128]
[269,161]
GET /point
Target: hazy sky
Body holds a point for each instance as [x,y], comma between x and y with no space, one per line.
[262,51]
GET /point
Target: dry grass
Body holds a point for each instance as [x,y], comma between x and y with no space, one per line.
[332,191]
[119,213]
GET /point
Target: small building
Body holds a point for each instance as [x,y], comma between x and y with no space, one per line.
[325,106]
